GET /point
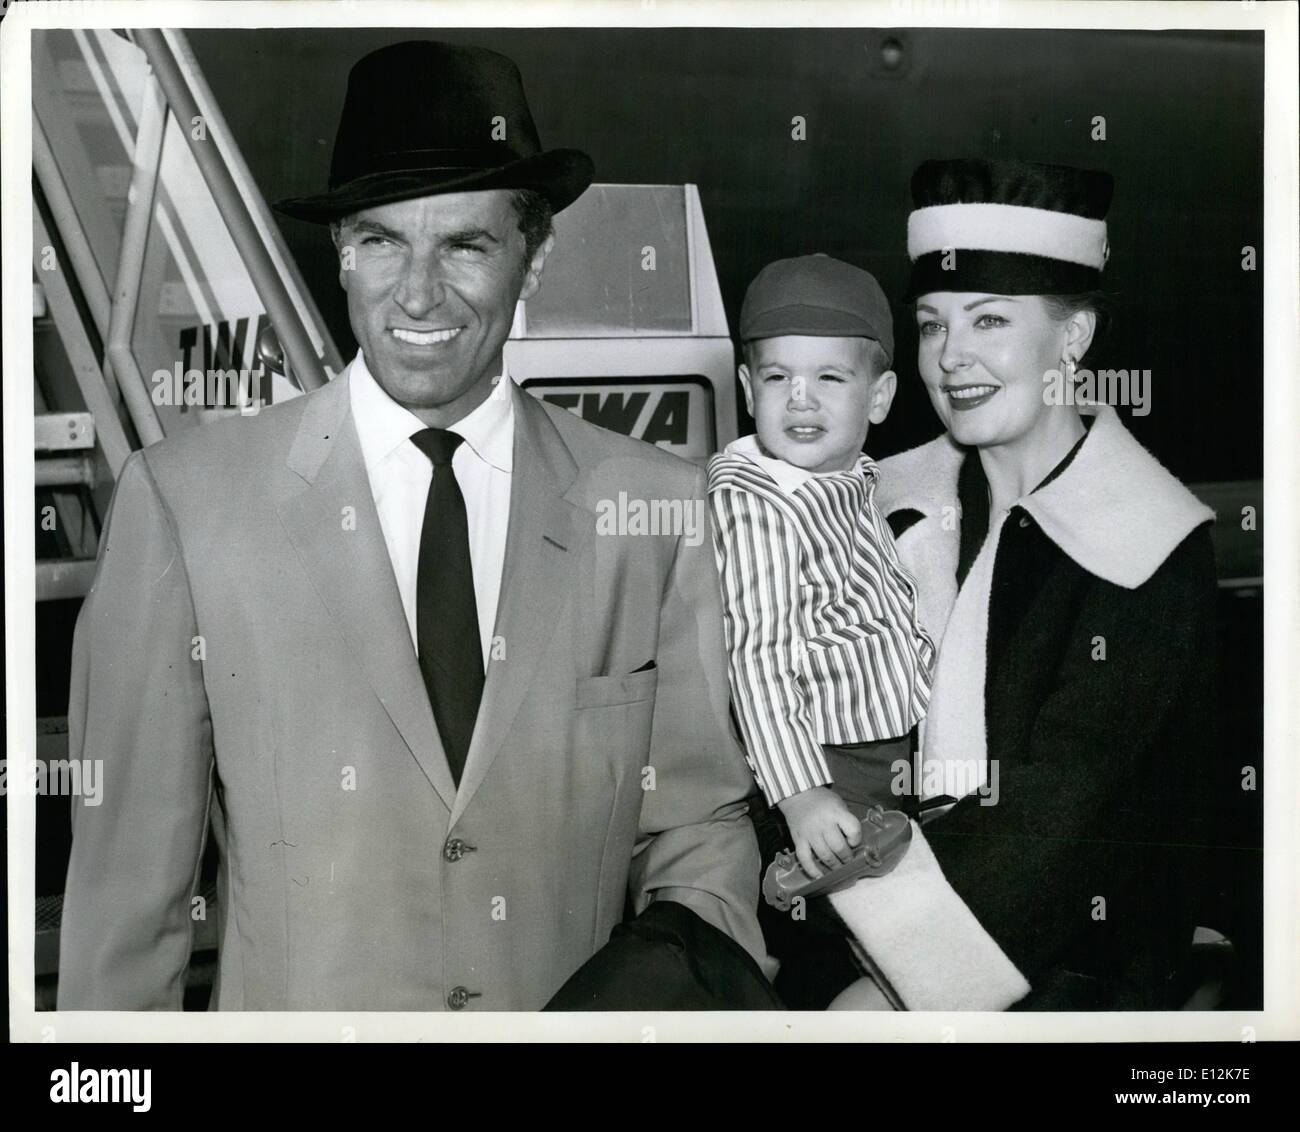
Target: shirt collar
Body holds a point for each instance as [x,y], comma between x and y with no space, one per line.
[383,425]
[790,477]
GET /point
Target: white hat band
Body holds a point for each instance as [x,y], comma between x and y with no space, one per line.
[1008,228]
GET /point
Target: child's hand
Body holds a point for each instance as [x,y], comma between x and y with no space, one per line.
[822,826]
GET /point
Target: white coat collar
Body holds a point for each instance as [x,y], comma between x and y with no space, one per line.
[1114,510]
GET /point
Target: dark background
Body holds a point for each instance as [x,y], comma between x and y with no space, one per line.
[1184,142]
[1184,125]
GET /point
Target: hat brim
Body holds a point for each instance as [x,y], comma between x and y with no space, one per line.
[809,321]
[815,322]
[560,175]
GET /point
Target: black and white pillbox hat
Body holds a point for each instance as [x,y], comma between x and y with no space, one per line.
[1007,228]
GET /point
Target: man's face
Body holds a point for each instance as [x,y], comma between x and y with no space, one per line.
[432,285]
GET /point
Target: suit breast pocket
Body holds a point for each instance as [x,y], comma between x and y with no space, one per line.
[610,691]
[612,720]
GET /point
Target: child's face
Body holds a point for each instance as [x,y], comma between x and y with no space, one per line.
[813,398]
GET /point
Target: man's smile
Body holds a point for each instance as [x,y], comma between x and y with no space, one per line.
[425,337]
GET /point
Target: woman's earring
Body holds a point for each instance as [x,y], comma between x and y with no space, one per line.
[1069,371]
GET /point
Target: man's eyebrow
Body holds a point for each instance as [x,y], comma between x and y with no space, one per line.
[463,236]
[374,226]
[469,235]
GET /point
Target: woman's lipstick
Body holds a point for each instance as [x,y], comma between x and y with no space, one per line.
[965,397]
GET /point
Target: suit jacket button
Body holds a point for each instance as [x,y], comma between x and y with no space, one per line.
[453,849]
[459,997]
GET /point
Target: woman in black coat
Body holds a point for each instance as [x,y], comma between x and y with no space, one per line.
[1070,581]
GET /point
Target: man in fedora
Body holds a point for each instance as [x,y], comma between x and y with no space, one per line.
[447,736]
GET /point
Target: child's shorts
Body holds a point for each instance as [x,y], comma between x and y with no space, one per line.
[816,960]
[865,774]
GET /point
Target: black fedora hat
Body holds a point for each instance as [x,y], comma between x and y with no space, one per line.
[424,117]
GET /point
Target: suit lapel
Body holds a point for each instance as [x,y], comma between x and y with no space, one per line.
[545,535]
[352,573]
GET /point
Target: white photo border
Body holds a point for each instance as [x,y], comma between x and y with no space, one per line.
[1280,1018]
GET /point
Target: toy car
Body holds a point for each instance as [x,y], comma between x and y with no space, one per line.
[886,835]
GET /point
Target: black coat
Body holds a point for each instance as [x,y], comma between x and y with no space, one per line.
[1101,754]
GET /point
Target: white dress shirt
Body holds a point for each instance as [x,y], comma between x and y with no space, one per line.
[400,474]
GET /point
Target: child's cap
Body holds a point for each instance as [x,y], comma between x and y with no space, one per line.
[817,296]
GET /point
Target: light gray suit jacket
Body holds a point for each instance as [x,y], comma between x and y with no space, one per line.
[243,657]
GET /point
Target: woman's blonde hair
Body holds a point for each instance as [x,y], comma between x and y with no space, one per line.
[1061,307]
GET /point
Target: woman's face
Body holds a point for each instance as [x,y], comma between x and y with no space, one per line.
[983,359]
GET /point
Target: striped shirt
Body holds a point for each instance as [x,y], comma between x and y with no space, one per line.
[820,616]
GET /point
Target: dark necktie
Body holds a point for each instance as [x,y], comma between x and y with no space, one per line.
[446,614]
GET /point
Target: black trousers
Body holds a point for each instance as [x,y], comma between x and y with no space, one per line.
[816,960]
[667,958]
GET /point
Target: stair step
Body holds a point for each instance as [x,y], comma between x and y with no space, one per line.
[64,578]
[61,432]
